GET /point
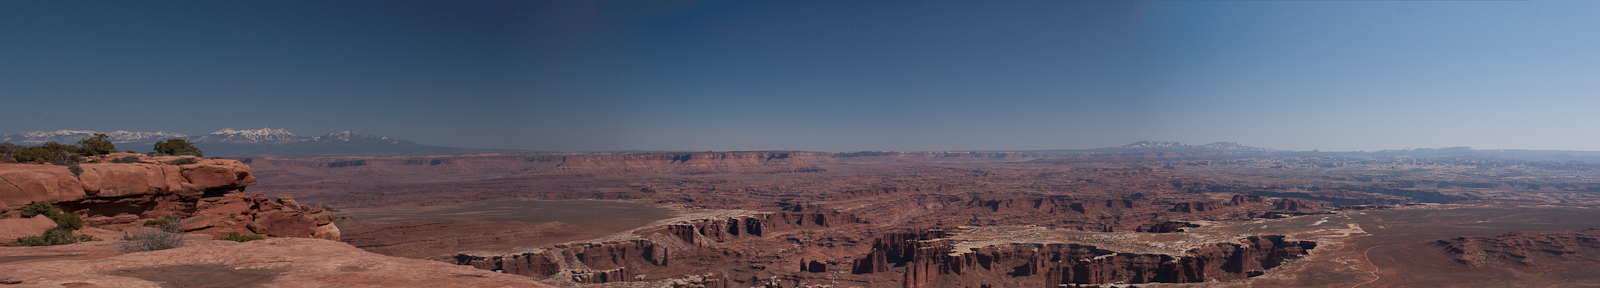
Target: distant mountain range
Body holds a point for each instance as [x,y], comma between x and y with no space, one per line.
[263,142]
[1163,146]
[1174,146]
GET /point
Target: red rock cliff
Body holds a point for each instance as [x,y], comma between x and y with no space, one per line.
[207,192]
[933,263]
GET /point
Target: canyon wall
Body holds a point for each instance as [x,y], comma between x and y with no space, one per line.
[696,247]
[935,264]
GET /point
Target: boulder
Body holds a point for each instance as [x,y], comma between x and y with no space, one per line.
[11,228]
[21,184]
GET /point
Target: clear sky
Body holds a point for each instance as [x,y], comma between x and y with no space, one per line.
[817,75]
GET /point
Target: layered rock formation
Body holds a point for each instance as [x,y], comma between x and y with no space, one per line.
[694,248]
[208,192]
[1091,214]
[1526,249]
[936,264]
[694,163]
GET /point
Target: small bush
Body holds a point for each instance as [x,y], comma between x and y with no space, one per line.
[4,215]
[184,161]
[151,153]
[70,221]
[178,147]
[75,169]
[172,224]
[148,239]
[131,151]
[128,159]
[56,236]
[97,145]
[236,237]
[38,208]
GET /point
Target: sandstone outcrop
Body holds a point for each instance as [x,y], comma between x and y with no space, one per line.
[27,183]
[207,192]
[277,262]
[1526,249]
[11,228]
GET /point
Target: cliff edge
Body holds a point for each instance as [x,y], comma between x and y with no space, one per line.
[122,190]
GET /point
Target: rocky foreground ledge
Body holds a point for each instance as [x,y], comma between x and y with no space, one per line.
[277,262]
[122,190]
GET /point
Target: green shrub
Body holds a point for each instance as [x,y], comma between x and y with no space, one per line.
[184,161]
[128,159]
[131,151]
[97,145]
[56,236]
[178,147]
[70,221]
[236,237]
[38,208]
[4,215]
[8,150]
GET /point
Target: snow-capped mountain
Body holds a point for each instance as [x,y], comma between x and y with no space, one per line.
[1180,146]
[257,136]
[352,137]
[230,142]
[72,136]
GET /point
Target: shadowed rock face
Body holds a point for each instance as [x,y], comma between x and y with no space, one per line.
[208,193]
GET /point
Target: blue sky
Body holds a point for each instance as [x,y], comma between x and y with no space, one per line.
[817,75]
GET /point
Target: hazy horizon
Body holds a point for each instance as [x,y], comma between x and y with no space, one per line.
[817,75]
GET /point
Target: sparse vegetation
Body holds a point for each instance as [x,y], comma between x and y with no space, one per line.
[149,239]
[55,236]
[49,152]
[128,159]
[158,235]
[7,150]
[70,221]
[178,147]
[184,161]
[97,145]
[75,169]
[66,223]
[236,237]
[38,208]
[131,151]
[57,153]
[170,224]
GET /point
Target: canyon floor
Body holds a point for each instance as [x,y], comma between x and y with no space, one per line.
[957,219]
